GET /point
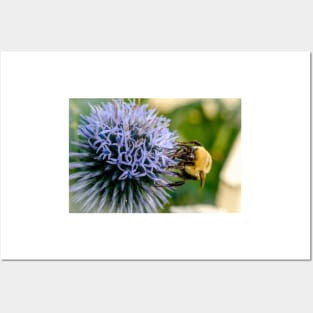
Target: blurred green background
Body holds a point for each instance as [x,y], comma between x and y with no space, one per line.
[214,122]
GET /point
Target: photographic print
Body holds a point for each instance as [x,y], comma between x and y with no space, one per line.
[137,155]
[154,155]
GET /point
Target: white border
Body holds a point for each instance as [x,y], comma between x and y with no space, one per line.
[275,218]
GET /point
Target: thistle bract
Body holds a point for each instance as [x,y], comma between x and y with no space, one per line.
[125,152]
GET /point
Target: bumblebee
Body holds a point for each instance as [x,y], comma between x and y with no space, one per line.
[194,163]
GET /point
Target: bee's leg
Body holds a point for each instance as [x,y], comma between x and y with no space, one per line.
[179,174]
[179,166]
[182,150]
[173,184]
[192,142]
[176,183]
[185,154]
[179,152]
[189,157]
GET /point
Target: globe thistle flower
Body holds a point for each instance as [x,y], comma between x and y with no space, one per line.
[125,153]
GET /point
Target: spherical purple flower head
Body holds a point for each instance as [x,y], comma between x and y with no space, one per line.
[125,154]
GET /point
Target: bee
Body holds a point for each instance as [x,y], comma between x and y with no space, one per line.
[194,163]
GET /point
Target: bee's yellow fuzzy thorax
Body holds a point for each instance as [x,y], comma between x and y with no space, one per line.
[202,162]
